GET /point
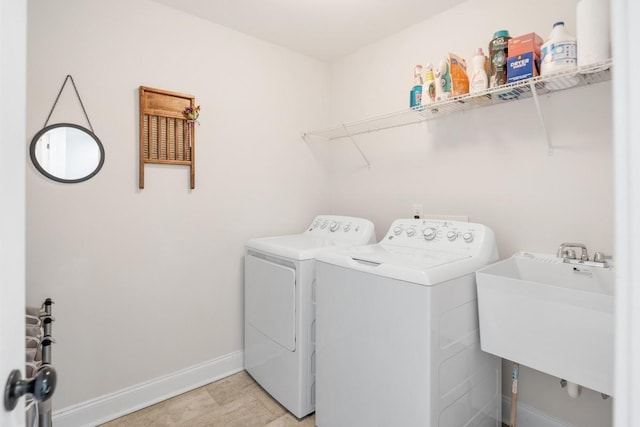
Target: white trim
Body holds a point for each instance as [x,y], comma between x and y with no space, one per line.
[528,416]
[114,405]
[13,144]
[626,130]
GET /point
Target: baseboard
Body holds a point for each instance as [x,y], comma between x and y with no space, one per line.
[122,402]
[529,416]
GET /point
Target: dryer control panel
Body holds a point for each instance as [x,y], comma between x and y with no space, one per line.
[439,235]
[358,231]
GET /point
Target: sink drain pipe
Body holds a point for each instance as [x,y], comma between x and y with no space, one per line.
[514,394]
[573,389]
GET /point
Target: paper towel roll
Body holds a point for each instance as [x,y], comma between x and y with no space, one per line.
[592,31]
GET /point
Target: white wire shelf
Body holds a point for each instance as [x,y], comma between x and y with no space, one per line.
[530,88]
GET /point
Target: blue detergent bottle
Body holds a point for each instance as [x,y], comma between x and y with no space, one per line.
[415,98]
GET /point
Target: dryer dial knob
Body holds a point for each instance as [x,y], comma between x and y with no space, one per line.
[324,224]
[452,235]
[468,237]
[334,226]
[397,230]
[346,227]
[411,232]
[429,233]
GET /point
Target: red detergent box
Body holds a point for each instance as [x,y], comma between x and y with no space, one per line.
[522,67]
[524,57]
[525,43]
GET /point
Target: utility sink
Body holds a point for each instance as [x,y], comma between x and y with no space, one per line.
[551,316]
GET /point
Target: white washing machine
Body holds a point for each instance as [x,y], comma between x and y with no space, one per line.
[279,348]
[397,330]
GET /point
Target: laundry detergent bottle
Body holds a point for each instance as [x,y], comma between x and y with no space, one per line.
[478,80]
[429,87]
[442,75]
[415,98]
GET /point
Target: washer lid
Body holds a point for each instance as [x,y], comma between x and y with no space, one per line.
[421,266]
[297,247]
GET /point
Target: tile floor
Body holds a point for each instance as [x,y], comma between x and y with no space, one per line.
[235,401]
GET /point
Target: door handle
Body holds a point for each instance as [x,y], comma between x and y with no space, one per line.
[41,386]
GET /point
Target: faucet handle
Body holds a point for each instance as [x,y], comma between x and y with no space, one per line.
[599,257]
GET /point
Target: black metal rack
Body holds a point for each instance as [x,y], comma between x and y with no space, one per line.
[39,338]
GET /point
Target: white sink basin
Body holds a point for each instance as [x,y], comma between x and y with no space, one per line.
[551,316]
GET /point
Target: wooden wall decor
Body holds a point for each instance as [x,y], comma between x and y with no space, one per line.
[166,136]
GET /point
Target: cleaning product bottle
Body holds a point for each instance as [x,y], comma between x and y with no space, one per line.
[429,87]
[415,99]
[559,52]
[479,79]
[498,58]
[442,75]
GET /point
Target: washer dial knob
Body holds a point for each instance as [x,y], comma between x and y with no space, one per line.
[397,230]
[346,227]
[411,232]
[468,237]
[334,226]
[324,224]
[452,235]
[429,233]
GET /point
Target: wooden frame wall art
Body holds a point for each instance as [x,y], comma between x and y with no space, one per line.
[167,136]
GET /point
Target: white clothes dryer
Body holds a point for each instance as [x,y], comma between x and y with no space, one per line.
[279,348]
[397,330]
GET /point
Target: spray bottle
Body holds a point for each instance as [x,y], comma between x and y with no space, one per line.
[415,98]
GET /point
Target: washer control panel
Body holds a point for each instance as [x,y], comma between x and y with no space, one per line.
[440,235]
[358,230]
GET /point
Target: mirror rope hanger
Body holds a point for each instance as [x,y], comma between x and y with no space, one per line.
[49,150]
[79,100]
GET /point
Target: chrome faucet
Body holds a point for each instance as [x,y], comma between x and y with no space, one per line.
[564,251]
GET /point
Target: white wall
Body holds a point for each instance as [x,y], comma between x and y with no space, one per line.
[148,282]
[490,164]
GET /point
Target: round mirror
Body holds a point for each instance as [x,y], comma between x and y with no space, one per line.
[65,152]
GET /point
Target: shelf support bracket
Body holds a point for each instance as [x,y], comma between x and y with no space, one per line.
[540,116]
[346,130]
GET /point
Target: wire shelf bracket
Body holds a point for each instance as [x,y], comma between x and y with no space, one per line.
[534,93]
[364,157]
